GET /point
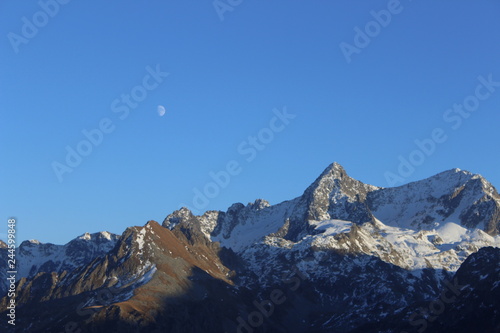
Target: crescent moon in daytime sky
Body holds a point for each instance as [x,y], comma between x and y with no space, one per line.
[161,110]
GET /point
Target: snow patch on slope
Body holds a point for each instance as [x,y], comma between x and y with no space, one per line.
[331,227]
[452,233]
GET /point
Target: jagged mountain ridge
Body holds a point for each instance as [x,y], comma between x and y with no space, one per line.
[436,222]
[33,257]
[147,265]
[452,196]
[356,263]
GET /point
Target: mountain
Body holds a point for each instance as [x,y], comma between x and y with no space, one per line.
[343,257]
[433,223]
[33,257]
[467,302]
[478,296]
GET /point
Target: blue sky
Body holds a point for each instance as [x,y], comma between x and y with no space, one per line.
[363,109]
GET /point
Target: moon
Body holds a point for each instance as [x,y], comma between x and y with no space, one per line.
[161,110]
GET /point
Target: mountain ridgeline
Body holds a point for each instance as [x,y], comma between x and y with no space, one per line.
[343,257]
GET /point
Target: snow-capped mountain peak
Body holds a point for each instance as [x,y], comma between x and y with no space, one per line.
[34,256]
[452,196]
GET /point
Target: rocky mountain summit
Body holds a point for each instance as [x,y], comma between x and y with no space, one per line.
[343,257]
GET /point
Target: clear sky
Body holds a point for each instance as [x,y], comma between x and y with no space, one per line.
[355,82]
